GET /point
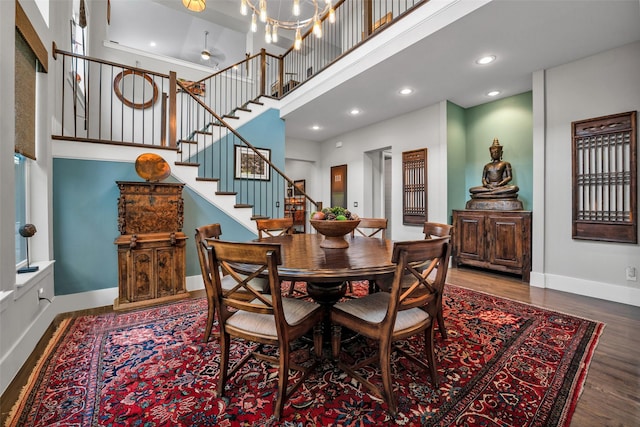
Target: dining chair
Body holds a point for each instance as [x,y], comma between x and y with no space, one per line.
[430,230]
[214,231]
[386,317]
[436,229]
[272,227]
[370,227]
[267,319]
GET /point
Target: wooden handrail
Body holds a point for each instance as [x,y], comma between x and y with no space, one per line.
[182,115]
[105,62]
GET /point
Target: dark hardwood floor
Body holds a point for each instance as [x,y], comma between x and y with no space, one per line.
[611,396]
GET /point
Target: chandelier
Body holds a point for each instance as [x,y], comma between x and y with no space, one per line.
[297,24]
[195,5]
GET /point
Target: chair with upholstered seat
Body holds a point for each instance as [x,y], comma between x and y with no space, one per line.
[431,230]
[267,319]
[272,227]
[370,227]
[398,314]
[214,231]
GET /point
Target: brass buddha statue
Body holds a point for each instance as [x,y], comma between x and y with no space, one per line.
[495,191]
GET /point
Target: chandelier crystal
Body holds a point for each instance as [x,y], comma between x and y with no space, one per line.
[272,24]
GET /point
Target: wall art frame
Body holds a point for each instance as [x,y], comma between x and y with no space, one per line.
[604,174]
[249,165]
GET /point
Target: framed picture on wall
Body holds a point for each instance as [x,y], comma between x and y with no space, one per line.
[249,165]
[299,187]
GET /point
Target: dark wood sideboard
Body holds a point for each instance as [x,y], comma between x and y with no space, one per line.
[495,240]
[151,245]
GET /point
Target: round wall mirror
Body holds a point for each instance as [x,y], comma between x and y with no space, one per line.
[135,89]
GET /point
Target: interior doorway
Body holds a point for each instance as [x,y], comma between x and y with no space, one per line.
[377,187]
[386,177]
[339,186]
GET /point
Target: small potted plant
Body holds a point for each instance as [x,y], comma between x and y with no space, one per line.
[334,223]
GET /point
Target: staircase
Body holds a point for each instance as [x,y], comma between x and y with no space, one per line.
[183,125]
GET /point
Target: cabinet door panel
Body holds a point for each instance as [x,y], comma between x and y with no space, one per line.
[142,272]
[470,236]
[505,241]
[166,272]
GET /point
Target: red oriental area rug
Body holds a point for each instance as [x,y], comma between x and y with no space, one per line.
[504,364]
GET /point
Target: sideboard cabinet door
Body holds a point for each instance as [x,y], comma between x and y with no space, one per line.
[151,269]
[469,235]
[142,275]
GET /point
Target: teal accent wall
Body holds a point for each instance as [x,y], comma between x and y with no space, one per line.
[511,121]
[456,158]
[267,131]
[85,223]
[85,212]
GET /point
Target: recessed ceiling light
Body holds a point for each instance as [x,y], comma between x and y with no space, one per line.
[152,44]
[354,112]
[486,60]
[315,127]
[493,93]
[406,91]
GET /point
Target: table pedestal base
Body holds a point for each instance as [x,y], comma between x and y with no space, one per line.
[326,294]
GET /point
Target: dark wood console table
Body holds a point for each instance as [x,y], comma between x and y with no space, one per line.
[492,239]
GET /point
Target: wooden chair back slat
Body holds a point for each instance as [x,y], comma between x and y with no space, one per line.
[421,292]
[273,227]
[230,256]
[372,227]
[435,229]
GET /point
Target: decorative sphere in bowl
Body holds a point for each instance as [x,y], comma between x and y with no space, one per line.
[334,231]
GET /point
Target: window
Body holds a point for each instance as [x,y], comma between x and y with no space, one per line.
[21,190]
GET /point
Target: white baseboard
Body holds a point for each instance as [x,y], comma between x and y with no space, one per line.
[20,351]
[103,297]
[606,291]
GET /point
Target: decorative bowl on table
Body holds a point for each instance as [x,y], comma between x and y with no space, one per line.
[334,224]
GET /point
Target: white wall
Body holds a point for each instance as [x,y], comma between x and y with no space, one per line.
[418,129]
[7,130]
[23,316]
[599,85]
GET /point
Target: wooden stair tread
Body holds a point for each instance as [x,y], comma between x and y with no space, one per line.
[226,193]
[186,164]
[202,178]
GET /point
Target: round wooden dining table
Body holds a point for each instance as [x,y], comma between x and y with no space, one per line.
[327,270]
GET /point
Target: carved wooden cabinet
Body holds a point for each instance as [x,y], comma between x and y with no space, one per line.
[495,240]
[151,245]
